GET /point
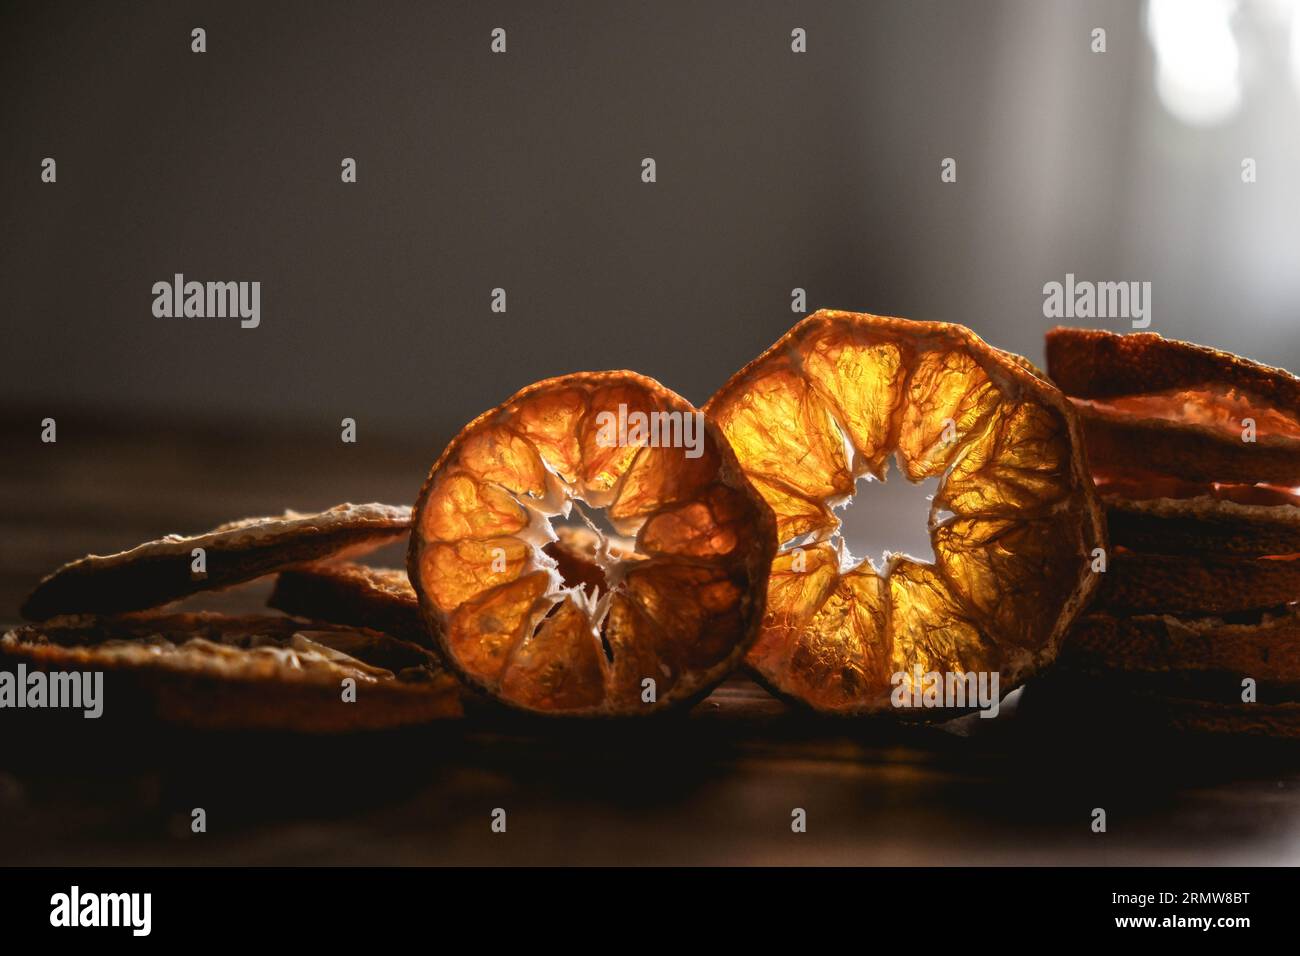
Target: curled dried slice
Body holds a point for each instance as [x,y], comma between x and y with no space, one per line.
[1093,363]
[158,572]
[1013,525]
[1179,408]
[352,594]
[535,602]
[243,673]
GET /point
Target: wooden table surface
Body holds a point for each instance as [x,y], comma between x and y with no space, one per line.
[715,787]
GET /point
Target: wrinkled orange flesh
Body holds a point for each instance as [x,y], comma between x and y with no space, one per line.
[1013,523]
[579,625]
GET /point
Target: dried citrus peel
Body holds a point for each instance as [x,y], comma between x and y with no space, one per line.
[1179,408]
[677,612]
[1222,408]
[1013,523]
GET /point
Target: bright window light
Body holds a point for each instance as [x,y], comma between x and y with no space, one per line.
[1196,59]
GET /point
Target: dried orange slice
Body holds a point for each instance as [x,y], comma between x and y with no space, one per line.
[212,671]
[1013,524]
[1148,512]
[352,594]
[1179,408]
[1266,646]
[1140,582]
[161,571]
[1186,674]
[642,630]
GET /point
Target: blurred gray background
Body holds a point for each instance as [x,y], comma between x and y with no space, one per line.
[775,170]
[521,171]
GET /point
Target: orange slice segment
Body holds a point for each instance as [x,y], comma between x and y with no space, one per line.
[532,602]
[1013,525]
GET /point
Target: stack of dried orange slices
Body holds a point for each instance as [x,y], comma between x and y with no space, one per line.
[215,671]
[1196,455]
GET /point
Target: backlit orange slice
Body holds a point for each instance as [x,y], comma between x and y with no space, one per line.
[676,592]
[1013,525]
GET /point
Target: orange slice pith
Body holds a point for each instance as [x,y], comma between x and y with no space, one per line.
[680,611]
[833,400]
